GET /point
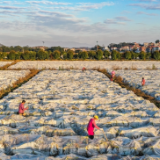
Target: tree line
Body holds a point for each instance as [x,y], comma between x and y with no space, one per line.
[60,54]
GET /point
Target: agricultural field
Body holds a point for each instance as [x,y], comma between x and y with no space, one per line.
[87,64]
[134,78]
[8,77]
[60,105]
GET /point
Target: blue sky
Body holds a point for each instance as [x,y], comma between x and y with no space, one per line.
[71,23]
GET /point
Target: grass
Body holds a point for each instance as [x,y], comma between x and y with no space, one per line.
[138,92]
[18,83]
[5,67]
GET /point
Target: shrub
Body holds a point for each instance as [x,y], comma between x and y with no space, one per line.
[92,54]
[114,55]
[25,55]
[156,55]
[148,55]
[18,55]
[128,55]
[11,55]
[84,55]
[42,55]
[56,54]
[32,55]
[142,55]
[106,54]
[65,55]
[70,54]
[118,55]
[99,54]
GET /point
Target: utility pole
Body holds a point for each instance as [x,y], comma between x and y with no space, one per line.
[97,45]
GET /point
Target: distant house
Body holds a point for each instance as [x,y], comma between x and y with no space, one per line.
[143,49]
[113,48]
[124,48]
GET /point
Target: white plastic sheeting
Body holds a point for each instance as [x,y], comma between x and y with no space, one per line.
[134,78]
[7,78]
[61,103]
[81,64]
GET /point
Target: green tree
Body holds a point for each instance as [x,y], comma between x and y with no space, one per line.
[25,55]
[106,54]
[114,55]
[157,41]
[156,55]
[148,55]
[11,55]
[84,55]
[70,54]
[92,54]
[142,55]
[65,55]
[18,56]
[80,54]
[118,55]
[32,55]
[42,55]
[128,55]
[56,54]
[99,54]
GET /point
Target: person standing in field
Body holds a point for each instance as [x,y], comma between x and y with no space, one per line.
[91,126]
[112,75]
[143,81]
[22,109]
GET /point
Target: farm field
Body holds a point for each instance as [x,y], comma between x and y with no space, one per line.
[134,78]
[60,105]
[87,64]
[7,77]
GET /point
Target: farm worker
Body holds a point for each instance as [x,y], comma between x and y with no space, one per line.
[22,109]
[91,126]
[113,74]
[143,81]
[83,69]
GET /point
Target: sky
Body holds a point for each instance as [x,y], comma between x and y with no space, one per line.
[78,23]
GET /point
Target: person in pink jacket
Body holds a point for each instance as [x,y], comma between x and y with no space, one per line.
[91,126]
[22,109]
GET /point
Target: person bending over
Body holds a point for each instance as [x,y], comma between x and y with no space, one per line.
[91,126]
[22,109]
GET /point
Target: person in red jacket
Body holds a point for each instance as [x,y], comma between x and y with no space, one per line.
[83,69]
[91,126]
[22,109]
[143,81]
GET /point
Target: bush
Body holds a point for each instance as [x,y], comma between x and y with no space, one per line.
[148,55]
[42,55]
[142,55]
[84,55]
[65,55]
[32,55]
[56,54]
[99,54]
[11,55]
[25,55]
[114,55]
[128,55]
[70,54]
[92,54]
[18,56]
[106,54]
[156,55]
[118,55]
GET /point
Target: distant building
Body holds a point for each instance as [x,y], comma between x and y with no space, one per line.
[156,48]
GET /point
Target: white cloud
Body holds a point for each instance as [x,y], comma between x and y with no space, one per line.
[145,13]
